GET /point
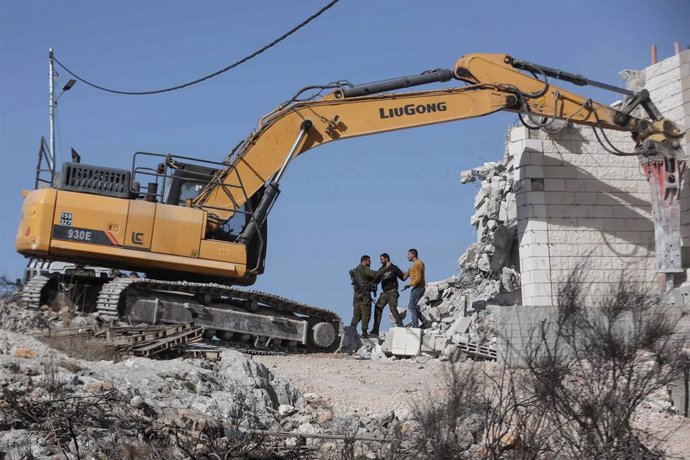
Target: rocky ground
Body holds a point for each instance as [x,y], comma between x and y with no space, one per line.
[74,398]
[84,403]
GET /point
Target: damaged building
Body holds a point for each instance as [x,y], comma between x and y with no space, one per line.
[558,199]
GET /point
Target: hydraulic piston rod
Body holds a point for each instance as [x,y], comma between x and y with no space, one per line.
[396,83]
[272,191]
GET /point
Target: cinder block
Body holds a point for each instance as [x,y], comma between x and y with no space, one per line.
[533,263]
[560,172]
[554,185]
[515,149]
[672,76]
[540,276]
[563,223]
[542,289]
[519,133]
[535,250]
[585,198]
[535,198]
[560,198]
[684,69]
[533,145]
[616,224]
[529,172]
[663,66]
[406,341]
[528,225]
[535,237]
[676,115]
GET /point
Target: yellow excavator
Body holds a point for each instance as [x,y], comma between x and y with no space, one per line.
[197,227]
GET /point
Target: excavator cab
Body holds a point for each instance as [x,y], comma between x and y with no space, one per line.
[182,182]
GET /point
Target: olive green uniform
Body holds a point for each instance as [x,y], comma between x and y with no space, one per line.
[364,284]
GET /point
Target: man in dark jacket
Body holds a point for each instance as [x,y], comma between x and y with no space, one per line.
[364,281]
[389,296]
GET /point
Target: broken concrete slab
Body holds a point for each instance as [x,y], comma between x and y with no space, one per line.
[406,341]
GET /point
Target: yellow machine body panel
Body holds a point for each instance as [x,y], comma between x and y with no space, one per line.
[178,230]
[140,224]
[33,235]
[129,234]
[91,219]
[223,251]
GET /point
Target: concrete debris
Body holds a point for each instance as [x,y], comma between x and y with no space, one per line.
[459,311]
[181,397]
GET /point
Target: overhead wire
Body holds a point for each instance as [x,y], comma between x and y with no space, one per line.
[209,76]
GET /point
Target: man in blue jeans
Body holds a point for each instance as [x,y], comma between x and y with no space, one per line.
[417,283]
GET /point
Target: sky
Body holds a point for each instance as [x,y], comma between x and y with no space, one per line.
[368,195]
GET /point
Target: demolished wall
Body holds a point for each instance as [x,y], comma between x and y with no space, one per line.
[557,199]
[578,203]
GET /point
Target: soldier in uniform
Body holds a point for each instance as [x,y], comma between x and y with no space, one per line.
[389,295]
[364,281]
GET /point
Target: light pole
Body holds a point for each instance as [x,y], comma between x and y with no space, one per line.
[51,109]
[52,104]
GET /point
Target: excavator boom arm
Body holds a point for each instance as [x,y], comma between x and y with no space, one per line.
[495,84]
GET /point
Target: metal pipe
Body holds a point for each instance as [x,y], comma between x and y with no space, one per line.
[51,107]
[652,50]
[676,47]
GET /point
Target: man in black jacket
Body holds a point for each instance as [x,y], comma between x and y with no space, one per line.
[389,296]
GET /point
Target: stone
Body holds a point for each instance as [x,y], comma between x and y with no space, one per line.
[434,314]
[432,293]
[24,353]
[510,279]
[137,402]
[466,176]
[98,386]
[324,417]
[285,410]
[484,263]
[403,414]
[350,341]
[409,426]
[451,353]
[311,397]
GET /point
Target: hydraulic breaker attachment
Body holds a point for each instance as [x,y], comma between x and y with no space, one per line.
[664,175]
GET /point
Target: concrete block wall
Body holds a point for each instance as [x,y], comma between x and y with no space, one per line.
[578,204]
[521,329]
[669,84]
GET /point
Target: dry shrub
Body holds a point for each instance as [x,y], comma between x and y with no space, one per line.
[88,349]
[588,369]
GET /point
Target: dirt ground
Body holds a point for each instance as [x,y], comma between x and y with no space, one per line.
[371,387]
[360,386]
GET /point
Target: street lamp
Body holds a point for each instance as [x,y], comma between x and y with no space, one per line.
[52,103]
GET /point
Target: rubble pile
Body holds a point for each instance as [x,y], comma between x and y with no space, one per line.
[460,311]
[138,403]
[25,320]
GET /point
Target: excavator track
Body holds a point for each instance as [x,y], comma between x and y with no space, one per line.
[254,320]
[32,291]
